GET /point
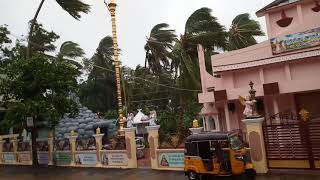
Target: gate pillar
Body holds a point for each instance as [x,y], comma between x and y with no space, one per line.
[131,146]
[98,138]
[72,140]
[256,144]
[153,138]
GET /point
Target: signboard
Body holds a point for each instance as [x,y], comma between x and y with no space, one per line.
[291,42]
[175,160]
[114,159]
[8,158]
[63,158]
[24,157]
[86,158]
[43,158]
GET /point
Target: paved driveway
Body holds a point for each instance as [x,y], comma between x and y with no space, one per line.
[51,173]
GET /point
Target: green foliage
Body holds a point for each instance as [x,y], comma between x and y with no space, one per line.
[4,40]
[69,52]
[74,7]
[242,32]
[37,87]
[99,91]
[157,47]
[42,40]
[111,114]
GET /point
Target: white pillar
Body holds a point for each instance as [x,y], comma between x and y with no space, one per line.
[98,138]
[130,135]
[72,140]
[256,144]
[153,138]
[226,112]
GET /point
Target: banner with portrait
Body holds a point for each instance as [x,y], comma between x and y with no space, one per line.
[24,157]
[114,159]
[174,159]
[86,158]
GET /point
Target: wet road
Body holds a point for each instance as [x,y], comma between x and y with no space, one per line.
[27,173]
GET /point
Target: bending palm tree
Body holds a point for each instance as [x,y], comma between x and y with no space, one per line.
[69,52]
[73,7]
[157,47]
[201,28]
[242,32]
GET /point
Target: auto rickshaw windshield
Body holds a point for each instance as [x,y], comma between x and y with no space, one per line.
[235,142]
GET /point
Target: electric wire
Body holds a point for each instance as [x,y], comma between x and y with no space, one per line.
[135,77]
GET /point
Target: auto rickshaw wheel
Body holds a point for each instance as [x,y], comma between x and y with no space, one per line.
[249,174]
[192,175]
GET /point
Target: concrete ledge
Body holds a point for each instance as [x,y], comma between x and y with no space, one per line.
[129,129]
[153,127]
[253,120]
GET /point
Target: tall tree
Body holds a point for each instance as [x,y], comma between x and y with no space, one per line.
[99,91]
[200,28]
[73,7]
[40,89]
[157,47]
[243,31]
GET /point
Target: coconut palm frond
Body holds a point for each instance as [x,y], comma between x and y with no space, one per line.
[242,32]
[74,7]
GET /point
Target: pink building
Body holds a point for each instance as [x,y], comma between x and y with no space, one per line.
[285,71]
[293,76]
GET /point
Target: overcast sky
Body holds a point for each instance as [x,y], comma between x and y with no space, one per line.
[135,18]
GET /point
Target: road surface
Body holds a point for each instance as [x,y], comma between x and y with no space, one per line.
[51,173]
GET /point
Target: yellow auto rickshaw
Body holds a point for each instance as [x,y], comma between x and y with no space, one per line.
[219,154]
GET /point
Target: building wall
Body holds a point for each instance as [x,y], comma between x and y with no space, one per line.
[242,78]
[306,71]
[303,18]
[274,74]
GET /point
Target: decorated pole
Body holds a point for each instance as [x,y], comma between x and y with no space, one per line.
[112,9]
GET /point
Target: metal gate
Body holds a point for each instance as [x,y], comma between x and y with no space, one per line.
[291,142]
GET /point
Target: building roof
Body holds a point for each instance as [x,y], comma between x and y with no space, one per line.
[276,3]
[213,136]
[257,55]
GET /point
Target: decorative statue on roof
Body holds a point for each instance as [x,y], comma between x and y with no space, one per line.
[130,120]
[250,103]
[153,118]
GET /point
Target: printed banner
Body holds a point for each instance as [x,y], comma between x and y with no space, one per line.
[63,158]
[8,158]
[43,158]
[24,157]
[171,160]
[114,159]
[86,159]
[295,41]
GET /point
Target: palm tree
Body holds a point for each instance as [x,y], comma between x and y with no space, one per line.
[99,91]
[69,52]
[73,7]
[242,32]
[201,28]
[157,47]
